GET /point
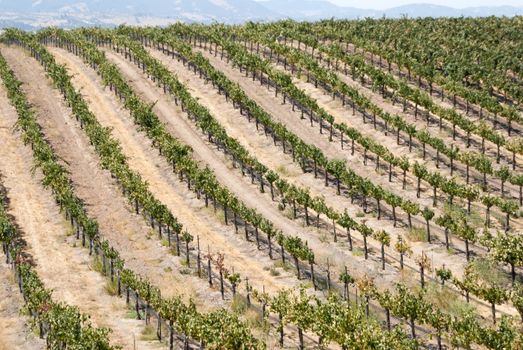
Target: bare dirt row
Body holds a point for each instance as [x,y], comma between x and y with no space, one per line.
[264,150]
[284,114]
[445,102]
[65,269]
[15,332]
[240,256]
[344,114]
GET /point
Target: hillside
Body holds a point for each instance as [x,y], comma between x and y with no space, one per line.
[29,14]
[340,184]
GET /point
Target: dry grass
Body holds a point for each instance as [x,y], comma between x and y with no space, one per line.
[417,234]
[148,333]
[489,272]
[239,304]
[111,287]
[254,319]
[285,266]
[356,251]
[282,169]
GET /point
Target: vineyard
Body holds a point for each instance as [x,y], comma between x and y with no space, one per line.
[326,185]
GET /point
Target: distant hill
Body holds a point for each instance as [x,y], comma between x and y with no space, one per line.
[198,10]
[34,14]
[426,10]
[320,9]
[315,9]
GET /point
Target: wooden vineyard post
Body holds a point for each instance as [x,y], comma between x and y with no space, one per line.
[328,275]
[159,328]
[119,280]
[209,267]
[137,306]
[199,262]
[171,335]
[248,291]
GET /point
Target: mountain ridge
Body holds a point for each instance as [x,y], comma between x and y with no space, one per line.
[30,14]
[326,9]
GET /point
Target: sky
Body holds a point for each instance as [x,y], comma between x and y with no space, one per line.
[384,4]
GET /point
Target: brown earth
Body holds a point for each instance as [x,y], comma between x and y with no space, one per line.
[240,256]
[266,154]
[164,185]
[437,89]
[263,148]
[67,270]
[232,180]
[15,332]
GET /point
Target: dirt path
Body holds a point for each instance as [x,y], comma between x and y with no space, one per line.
[127,232]
[344,113]
[67,270]
[240,256]
[437,254]
[249,194]
[413,82]
[341,114]
[264,150]
[15,332]
[434,129]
